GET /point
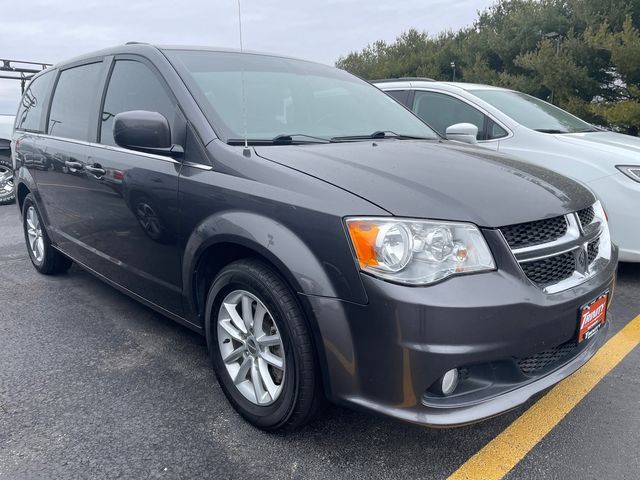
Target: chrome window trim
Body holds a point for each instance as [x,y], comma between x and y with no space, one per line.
[200,166]
[108,147]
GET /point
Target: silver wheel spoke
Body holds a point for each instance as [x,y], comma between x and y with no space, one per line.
[272,388]
[231,330]
[247,317]
[241,376]
[256,380]
[271,359]
[258,319]
[235,354]
[269,340]
[235,318]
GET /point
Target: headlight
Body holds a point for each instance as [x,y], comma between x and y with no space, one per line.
[600,216]
[417,252]
[631,171]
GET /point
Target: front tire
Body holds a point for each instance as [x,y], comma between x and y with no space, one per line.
[261,348]
[46,259]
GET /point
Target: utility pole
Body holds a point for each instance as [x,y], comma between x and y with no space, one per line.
[557,37]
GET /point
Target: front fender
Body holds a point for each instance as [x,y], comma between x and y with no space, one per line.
[272,240]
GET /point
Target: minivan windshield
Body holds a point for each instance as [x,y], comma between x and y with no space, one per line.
[532,112]
[288,99]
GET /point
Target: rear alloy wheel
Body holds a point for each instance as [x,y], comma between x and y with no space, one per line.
[44,257]
[261,347]
[7,192]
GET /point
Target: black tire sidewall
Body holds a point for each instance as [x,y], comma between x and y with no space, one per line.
[276,414]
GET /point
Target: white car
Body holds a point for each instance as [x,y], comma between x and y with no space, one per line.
[535,131]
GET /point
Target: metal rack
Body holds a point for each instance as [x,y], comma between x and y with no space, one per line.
[20,70]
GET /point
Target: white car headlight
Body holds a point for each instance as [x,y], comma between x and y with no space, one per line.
[631,171]
[417,252]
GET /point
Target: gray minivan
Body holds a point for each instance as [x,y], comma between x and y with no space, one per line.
[324,240]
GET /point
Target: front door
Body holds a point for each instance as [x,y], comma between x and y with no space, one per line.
[132,210]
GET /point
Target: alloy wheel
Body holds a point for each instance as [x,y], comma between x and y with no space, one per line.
[6,180]
[34,234]
[251,347]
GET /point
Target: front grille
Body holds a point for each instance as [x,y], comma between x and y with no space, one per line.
[534,233]
[586,216]
[549,270]
[542,360]
[593,248]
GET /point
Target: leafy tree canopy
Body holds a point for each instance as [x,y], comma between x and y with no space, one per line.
[583,55]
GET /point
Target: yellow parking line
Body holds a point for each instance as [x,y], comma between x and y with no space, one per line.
[504,452]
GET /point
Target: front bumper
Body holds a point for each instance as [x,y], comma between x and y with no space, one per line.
[386,355]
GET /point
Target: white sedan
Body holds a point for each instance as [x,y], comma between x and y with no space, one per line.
[535,131]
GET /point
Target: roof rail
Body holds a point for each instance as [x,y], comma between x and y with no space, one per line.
[404,79]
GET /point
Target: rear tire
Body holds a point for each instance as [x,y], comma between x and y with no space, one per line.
[7,190]
[46,259]
[288,396]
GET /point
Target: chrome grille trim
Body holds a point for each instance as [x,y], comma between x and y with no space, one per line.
[590,245]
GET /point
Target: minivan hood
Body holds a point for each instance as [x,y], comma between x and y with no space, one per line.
[437,179]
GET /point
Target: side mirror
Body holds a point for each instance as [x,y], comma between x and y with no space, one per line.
[145,132]
[462,132]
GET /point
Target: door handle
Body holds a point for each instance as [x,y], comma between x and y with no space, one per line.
[96,170]
[73,165]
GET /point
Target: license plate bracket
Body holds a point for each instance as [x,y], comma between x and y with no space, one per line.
[592,317]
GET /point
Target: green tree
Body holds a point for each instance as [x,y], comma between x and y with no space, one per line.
[584,55]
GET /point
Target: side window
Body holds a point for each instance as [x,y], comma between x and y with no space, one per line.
[401,96]
[494,130]
[32,103]
[441,111]
[133,86]
[73,100]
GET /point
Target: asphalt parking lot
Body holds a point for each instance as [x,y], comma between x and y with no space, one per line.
[94,385]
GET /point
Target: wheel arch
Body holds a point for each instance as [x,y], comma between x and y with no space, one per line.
[229,236]
[21,194]
[219,241]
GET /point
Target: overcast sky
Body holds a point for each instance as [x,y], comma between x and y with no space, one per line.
[54,30]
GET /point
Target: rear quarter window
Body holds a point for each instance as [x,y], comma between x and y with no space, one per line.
[29,116]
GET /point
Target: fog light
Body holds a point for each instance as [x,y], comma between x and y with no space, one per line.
[448,382]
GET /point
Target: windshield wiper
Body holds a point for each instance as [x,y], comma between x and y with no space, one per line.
[379,134]
[295,137]
[284,139]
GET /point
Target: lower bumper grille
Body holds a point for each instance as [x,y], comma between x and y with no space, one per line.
[546,359]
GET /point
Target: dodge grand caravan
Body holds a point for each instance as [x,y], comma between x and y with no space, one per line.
[325,241]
